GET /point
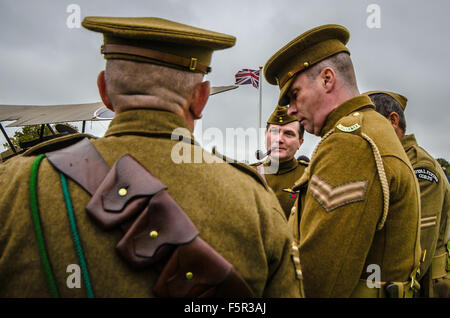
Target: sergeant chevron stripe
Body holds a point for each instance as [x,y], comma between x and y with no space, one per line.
[331,197]
[428,221]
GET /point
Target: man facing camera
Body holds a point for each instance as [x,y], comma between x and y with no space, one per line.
[284,136]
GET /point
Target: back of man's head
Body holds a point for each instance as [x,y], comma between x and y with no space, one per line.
[386,105]
[132,84]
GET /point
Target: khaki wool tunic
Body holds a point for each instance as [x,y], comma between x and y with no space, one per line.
[234,211]
[288,172]
[435,220]
[341,205]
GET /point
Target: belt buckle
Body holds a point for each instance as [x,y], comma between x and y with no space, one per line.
[391,290]
[193,64]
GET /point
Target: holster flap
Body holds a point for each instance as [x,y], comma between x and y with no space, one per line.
[197,270]
[124,192]
[160,228]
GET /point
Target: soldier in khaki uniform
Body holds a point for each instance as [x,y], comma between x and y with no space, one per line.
[359,209]
[153,82]
[284,136]
[434,197]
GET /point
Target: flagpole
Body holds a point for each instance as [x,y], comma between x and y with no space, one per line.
[259,106]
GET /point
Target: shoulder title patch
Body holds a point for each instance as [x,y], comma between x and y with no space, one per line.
[348,129]
[425,174]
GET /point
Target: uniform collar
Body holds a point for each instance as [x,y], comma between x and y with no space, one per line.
[148,122]
[408,141]
[351,105]
[286,166]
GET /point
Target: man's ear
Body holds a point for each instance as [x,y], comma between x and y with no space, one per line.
[301,142]
[394,119]
[200,96]
[102,90]
[328,79]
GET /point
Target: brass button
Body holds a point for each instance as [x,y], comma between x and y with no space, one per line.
[123,192]
[189,275]
[306,64]
[154,234]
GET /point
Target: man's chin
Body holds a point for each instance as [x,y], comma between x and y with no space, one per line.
[279,156]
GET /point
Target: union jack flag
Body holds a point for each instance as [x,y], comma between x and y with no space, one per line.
[247,76]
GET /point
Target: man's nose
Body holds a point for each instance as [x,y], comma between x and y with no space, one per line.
[291,110]
[276,140]
[280,138]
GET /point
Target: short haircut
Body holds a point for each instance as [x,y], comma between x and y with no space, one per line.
[135,78]
[386,105]
[342,65]
[301,130]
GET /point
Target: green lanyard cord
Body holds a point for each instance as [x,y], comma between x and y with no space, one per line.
[76,237]
[40,237]
[38,228]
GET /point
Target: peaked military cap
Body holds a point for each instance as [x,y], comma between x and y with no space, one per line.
[280,116]
[302,52]
[400,99]
[158,41]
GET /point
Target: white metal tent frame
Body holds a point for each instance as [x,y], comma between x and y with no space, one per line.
[28,115]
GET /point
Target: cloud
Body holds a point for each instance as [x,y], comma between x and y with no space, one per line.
[42,61]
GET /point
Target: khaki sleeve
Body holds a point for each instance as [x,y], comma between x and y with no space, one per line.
[340,212]
[281,282]
[432,197]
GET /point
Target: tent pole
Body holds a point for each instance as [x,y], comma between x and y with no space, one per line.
[41,132]
[8,140]
[51,129]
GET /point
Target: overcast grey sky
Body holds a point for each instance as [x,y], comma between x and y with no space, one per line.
[43,62]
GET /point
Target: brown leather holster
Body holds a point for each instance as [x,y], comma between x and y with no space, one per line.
[157,232]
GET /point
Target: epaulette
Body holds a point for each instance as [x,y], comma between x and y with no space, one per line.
[424,157]
[350,124]
[250,171]
[55,144]
[242,166]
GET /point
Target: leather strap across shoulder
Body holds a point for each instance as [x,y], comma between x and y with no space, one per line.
[82,163]
[157,232]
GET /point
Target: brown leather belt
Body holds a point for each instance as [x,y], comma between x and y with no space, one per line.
[189,63]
